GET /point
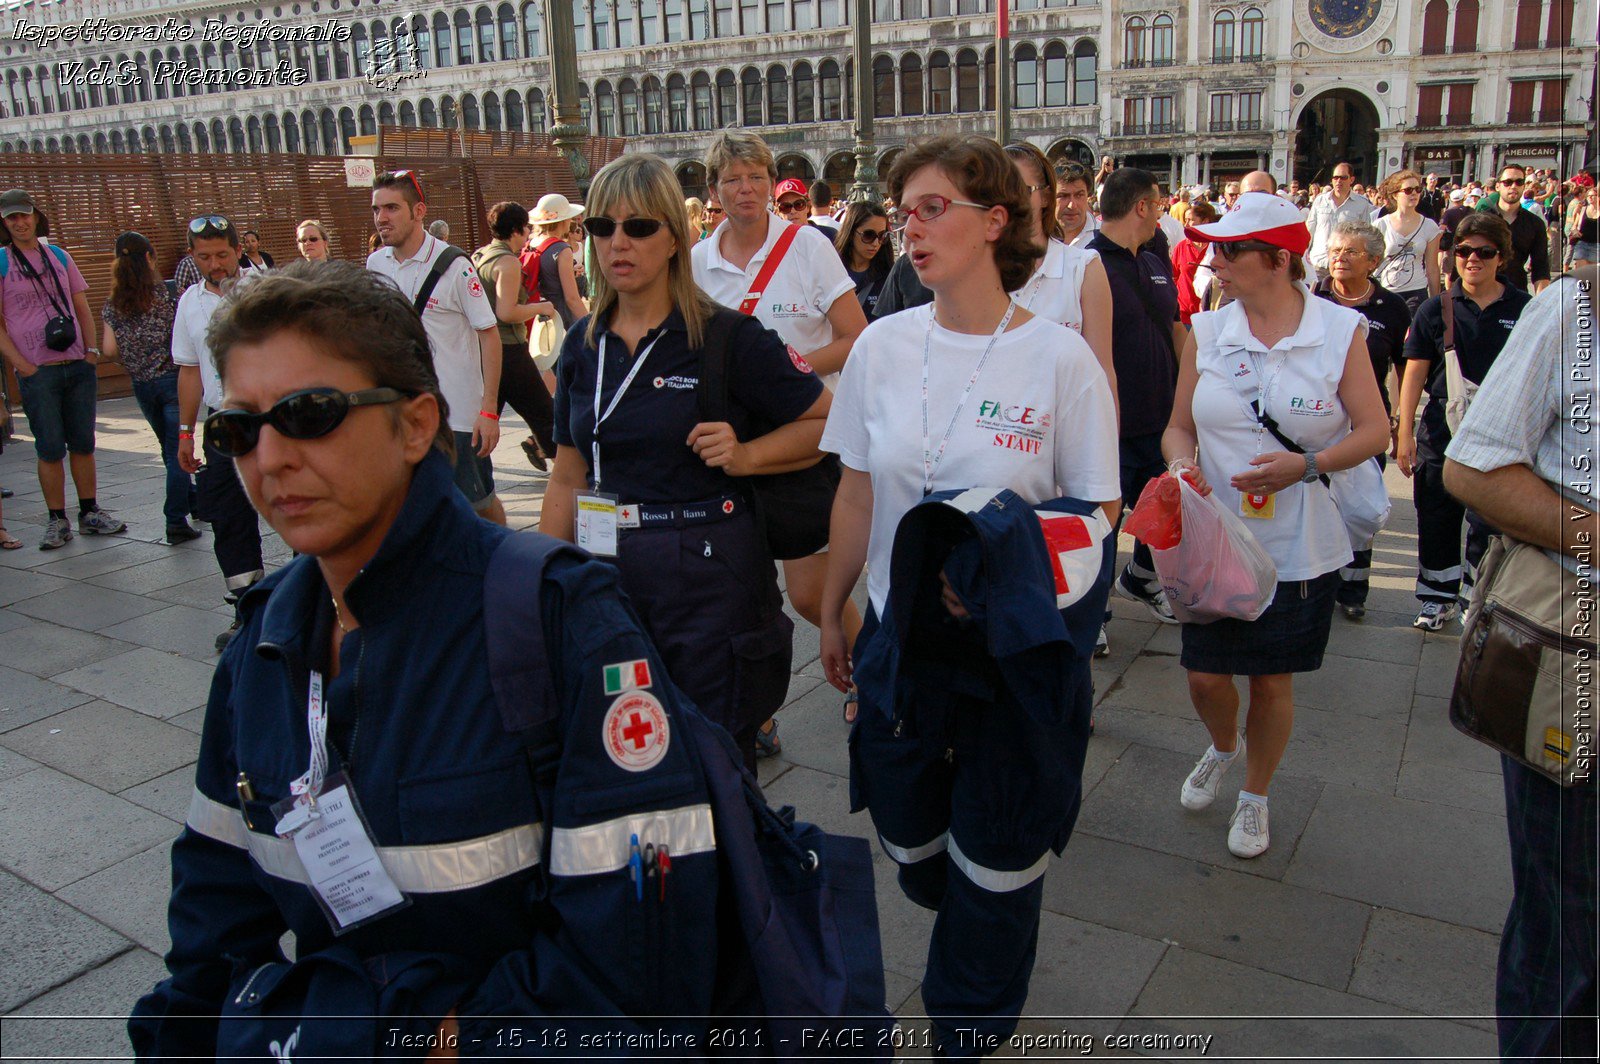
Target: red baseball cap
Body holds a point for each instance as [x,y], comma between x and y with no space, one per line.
[789,186]
[1258,216]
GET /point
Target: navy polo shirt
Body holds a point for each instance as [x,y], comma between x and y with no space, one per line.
[1147,370]
[1479,336]
[643,453]
[1387,323]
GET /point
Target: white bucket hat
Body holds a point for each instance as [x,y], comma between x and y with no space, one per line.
[554,207]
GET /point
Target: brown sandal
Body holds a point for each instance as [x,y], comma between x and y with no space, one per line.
[8,541]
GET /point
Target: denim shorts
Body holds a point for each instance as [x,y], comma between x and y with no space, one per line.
[59,402]
[474,475]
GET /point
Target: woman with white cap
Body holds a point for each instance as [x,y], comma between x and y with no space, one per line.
[547,261]
[1274,362]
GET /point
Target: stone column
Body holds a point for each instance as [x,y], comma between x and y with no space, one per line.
[865,186]
[568,131]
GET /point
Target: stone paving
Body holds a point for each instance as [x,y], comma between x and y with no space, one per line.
[1370,928]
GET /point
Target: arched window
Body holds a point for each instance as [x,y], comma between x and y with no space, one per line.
[628,101]
[485,36]
[1222,28]
[911,84]
[508,31]
[1253,35]
[532,31]
[219,135]
[830,94]
[966,81]
[727,99]
[347,129]
[1055,74]
[1133,42]
[463,38]
[536,111]
[52,145]
[514,118]
[1435,18]
[169,143]
[1025,77]
[883,87]
[252,134]
[491,111]
[805,100]
[386,114]
[653,104]
[605,110]
[1161,41]
[408,114]
[988,79]
[236,141]
[447,112]
[116,142]
[362,48]
[427,116]
[309,134]
[777,95]
[441,40]
[160,83]
[185,141]
[470,117]
[750,103]
[269,127]
[700,91]
[848,79]
[1466,35]
[677,104]
[939,98]
[1085,73]
[102,146]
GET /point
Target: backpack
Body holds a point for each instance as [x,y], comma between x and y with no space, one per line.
[799,948]
[5,258]
[446,258]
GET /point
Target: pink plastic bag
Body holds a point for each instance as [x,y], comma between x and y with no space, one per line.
[1218,569]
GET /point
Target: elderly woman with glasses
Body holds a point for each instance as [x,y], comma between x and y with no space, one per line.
[1268,350]
[1410,264]
[1354,252]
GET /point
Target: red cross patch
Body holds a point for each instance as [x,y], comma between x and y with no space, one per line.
[1074,544]
[474,286]
[798,359]
[635,732]
[727,506]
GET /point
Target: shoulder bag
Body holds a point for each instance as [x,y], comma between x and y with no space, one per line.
[794,507]
[1459,392]
[1520,662]
[446,257]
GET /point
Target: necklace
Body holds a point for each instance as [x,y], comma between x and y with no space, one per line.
[338,618]
[1352,299]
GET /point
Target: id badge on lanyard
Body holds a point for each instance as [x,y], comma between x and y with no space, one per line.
[331,837]
[595,516]
[1259,506]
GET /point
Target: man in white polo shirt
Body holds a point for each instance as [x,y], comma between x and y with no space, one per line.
[220,498]
[459,321]
[809,301]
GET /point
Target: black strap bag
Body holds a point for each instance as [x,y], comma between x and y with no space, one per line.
[795,507]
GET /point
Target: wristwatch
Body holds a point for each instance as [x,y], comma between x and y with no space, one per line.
[1311,468]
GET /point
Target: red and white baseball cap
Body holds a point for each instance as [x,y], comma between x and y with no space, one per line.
[789,186]
[1258,216]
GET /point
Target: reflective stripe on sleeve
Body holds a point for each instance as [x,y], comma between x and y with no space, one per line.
[913,854]
[434,869]
[994,880]
[605,847]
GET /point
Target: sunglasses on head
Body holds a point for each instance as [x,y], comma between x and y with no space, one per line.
[306,415]
[1481,252]
[210,223]
[411,175]
[604,228]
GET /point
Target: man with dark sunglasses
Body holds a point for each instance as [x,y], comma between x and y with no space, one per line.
[236,533]
[461,326]
[1530,243]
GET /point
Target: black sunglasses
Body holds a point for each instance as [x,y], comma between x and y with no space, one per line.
[210,222]
[1232,249]
[305,415]
[871,236]
[604,228]
[1480,252]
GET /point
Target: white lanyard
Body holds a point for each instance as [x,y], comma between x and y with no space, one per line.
[599,387]
[309,785]
[1262,391]
[931,459]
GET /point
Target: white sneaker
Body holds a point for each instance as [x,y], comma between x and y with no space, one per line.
[1247,835]
[1200,789]
[1434,614]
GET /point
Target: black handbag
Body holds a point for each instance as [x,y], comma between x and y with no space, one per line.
[60,332]
[794,507]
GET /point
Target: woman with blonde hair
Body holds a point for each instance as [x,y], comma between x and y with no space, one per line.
[1410,264]
[641,478]
[697,217]
[548,262]
[311,237]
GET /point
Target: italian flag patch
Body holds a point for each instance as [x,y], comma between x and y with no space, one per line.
[627,676]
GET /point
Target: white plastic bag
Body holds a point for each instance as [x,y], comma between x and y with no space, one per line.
[1218,569]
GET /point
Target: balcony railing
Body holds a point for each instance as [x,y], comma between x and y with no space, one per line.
[1222,125]
[1253,57]
[1132,64]
[1221,60]
[1433,121]
[1458,119]
[1146,129]
[1249,125]
[1163,62]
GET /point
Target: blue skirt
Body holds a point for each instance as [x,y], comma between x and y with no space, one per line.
[1290,636]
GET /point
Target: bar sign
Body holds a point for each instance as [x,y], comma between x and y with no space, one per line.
[627,676]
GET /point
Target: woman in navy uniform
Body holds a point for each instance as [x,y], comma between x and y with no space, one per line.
[692,554]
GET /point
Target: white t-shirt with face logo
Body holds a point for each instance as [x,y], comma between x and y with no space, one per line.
[796,301]
[1039,421]
[457,310]
[1299,377]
